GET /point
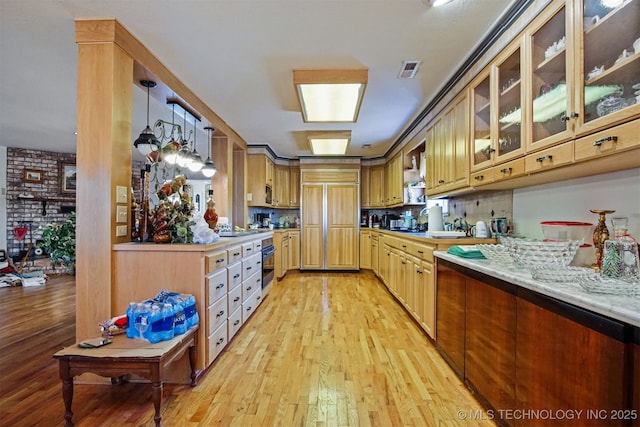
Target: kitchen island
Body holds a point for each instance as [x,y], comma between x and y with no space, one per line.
[225,277]
[531,349]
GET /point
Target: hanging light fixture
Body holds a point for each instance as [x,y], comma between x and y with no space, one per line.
[171,149]
[184,155]
[147,142]
[196,160]
[209,169]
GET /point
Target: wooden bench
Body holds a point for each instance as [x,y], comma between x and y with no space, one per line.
[122,357]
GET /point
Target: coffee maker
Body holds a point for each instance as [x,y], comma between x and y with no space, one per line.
[263,219]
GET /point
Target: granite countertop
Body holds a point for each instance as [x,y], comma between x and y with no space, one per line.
[622,308]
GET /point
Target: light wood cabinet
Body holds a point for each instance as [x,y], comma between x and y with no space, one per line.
[294,249]
[375,249]
[394,182]
[569,76]
[365,191]
[281,257]
[376,187]
[294,187]
[446,146]
[281,187]
[262,176]
[365,249]
[342,226]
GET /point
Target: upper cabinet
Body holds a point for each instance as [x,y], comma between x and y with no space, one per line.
[574,71]
[550,101]
[260,185]
[446,142]
[607,62]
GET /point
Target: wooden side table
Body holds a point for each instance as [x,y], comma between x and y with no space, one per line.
[126,356]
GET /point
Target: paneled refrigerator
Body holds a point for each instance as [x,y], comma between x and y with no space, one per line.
[330,220]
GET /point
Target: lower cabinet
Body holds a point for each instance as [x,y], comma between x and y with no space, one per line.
[564,364]
[375,265]
[450,316]
[635,391]
[490,342]
[523,351]
[287,257]
[365,249]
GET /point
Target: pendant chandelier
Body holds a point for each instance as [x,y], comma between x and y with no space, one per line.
[147,142]
[209,169]
[168,143]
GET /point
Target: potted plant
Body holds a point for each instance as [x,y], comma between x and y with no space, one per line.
[59,241]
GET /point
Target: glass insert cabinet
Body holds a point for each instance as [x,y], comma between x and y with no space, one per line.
[574,70]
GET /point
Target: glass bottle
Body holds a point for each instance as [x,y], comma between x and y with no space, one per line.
[210,214]
[620,258]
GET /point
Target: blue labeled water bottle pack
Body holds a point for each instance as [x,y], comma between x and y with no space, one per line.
[162,317]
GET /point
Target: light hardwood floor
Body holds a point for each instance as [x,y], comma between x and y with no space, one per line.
[324,349]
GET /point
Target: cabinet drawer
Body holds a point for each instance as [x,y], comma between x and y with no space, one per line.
[250,305]
[422,252]
[235,299]
[508,170]
[483,177]
[216,342]
[234,275]
[234,254]
[614,140]
[234,323]
[216,286]
[251,265]
[257,246]
[550,158]
[217,314]
[215,261]
[247,249]
[250,285]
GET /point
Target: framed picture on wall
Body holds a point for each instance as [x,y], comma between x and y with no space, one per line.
[68,177]
[32,175]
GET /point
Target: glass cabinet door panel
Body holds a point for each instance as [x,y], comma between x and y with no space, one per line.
[481,122]
[611,58]
[509,105]
[549,79]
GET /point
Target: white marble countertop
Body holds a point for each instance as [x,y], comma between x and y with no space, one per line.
[622,308]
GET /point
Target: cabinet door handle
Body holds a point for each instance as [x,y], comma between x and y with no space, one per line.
[220,341]
[236,276]
[249,308]
[420,252]
[479,177]
[220,286]
[236,253]
[236,323]
[249,268]
[236,299]
[220,313]
[568,117]
[506,171]
[601,141]
[220,260]
[441,181]
[248,288]
[543,158]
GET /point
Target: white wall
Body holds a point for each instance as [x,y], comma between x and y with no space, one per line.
[571,201]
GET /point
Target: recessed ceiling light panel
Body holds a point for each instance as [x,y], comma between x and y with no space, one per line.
[330,143]
[330,95]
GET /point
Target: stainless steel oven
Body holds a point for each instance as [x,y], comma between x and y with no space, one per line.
[268,265]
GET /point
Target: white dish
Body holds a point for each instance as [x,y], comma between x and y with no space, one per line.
[636,86]
[446,234]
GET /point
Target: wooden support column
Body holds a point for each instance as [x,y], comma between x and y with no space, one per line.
[105,74]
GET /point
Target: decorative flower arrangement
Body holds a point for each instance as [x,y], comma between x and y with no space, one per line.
[59,241]
[171,220]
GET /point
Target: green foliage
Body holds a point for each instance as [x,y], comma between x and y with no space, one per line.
[59,241]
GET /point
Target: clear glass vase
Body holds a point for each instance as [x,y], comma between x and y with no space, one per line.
[620,259]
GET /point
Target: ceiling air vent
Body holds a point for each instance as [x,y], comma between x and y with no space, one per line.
[409,69]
